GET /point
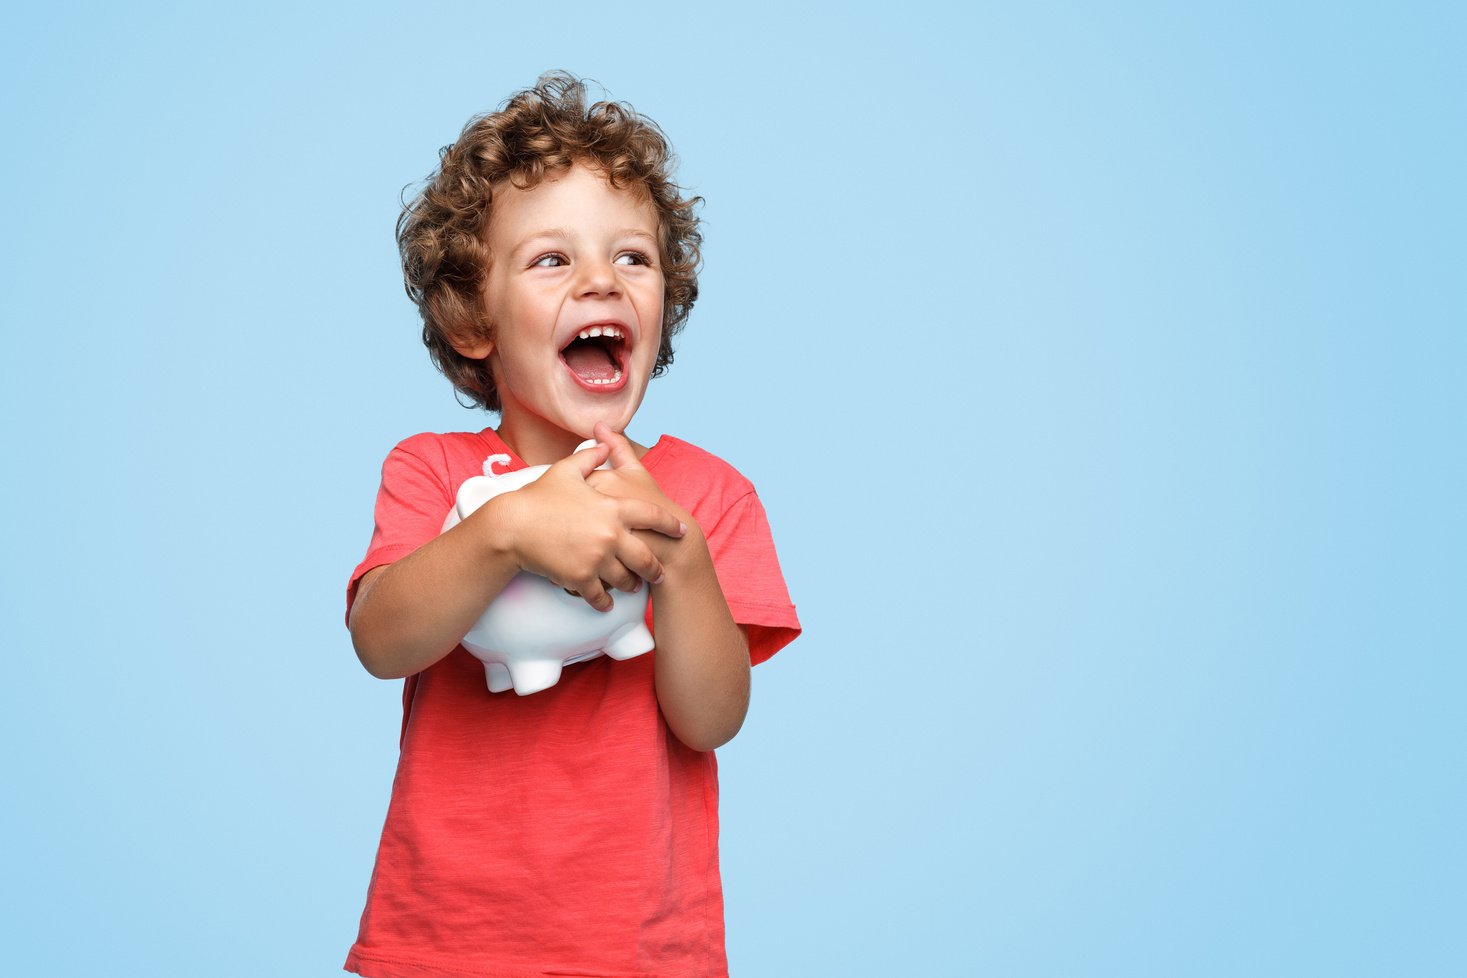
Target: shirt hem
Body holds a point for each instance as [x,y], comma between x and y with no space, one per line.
[370,964]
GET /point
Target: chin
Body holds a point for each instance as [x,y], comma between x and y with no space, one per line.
[616,421]
[616,415]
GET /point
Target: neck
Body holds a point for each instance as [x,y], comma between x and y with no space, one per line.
[544,448]
[536,445]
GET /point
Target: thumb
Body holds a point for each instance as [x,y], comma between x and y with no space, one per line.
[623,455]
[586,461]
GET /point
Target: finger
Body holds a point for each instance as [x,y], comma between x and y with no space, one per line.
[614,482]
[585,462]
[639,558]
[639,514]
[618,576]
[593,592]
[623,455]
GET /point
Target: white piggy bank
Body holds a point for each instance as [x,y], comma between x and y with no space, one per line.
[535,628]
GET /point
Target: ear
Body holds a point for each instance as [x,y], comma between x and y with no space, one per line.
[473,347]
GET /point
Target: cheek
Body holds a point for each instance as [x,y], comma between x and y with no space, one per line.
[653,308]
[653,345]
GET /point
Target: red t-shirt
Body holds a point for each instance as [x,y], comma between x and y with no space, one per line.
[567,832]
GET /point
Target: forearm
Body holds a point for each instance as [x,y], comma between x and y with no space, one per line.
[702,657]
[411,613]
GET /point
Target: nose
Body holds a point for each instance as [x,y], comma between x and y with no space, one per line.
[597,278]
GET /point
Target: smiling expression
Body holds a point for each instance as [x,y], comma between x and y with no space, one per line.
[573,298]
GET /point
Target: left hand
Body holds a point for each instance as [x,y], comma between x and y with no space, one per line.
[701,670]
[629,479]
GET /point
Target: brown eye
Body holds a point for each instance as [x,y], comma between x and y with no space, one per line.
[552,260]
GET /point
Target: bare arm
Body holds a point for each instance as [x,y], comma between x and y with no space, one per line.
[702,664]
[702,659]
[411,613]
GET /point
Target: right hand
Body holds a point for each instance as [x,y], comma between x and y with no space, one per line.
[560,527]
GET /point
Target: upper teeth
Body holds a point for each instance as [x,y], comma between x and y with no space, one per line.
[612,331]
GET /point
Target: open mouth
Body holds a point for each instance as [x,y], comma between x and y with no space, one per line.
[596,356]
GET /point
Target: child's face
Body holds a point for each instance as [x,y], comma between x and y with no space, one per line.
[571,256]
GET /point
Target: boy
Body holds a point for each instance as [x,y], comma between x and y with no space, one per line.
[574,830]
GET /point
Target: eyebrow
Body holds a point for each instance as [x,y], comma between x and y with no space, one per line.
[565,233]
[548,233]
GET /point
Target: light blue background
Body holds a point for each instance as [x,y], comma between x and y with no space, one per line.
[1102,373]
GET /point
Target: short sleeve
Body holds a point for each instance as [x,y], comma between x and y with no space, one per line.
[411,505]
[748,572]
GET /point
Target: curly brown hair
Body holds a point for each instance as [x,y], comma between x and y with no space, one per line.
[540,131]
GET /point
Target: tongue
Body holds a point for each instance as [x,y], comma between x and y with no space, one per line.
[590,361]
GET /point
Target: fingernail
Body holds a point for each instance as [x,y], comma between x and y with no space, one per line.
[660,578]
[681,528]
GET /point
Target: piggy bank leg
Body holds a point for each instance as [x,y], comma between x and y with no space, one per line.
[630,641]
[531,677]
[498,676]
